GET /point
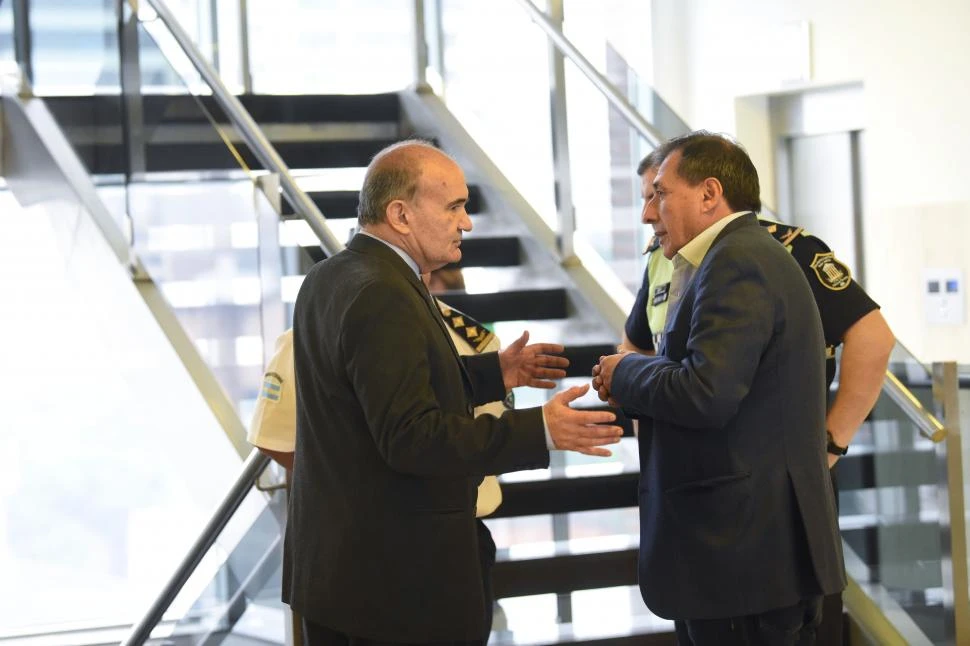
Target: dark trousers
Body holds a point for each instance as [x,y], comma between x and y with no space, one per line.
[792,626]
[316,635]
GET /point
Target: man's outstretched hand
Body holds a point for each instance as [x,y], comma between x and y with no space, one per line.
[578,430]
[532,365]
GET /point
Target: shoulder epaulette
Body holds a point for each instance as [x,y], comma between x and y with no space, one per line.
[473,332]
[653,245]
[783,233]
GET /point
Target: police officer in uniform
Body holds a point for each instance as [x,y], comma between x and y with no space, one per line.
[849,318]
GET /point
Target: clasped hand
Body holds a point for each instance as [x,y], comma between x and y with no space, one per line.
[603,376]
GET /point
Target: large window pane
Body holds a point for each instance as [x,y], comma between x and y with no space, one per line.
[331,46]
[114,459]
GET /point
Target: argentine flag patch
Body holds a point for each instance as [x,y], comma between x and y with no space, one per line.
[272,387]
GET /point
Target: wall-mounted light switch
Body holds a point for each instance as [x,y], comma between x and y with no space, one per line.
[943,291]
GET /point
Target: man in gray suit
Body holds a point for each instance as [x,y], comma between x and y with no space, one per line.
[381,542]
[739,537]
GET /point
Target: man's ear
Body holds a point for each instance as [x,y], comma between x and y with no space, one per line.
[713,193]
[397,216]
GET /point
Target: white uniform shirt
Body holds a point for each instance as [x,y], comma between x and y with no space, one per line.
[274,420]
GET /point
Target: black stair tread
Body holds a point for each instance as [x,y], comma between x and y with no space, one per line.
[264,108]
[210,134]
[297,232]
[568,494]
[519,305]
[512,304]
[565,573]
[476,251]
[866,469]
[193,156]
[339,204]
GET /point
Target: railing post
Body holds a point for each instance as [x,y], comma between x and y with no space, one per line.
[245,64]
[213,25]
[563,185]
[23,49]
[132,115]
[267,196]
[420,45]
[953,527]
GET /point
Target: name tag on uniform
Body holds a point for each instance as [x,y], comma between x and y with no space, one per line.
[660,294]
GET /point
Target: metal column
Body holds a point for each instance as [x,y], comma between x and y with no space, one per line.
[22,40]
[420,45]
[560,141]
[132,115]
[953,526]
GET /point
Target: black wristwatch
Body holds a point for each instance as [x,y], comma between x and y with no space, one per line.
[834,448]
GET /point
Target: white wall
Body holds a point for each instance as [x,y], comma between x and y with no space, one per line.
[912,60]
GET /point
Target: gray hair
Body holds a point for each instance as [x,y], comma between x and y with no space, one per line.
[392,174]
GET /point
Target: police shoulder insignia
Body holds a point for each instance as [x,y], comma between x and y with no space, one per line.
[783,233]
[272,387]
[831,272]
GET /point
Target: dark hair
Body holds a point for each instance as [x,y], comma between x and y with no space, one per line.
[705,154]
[393,174]
[653,159]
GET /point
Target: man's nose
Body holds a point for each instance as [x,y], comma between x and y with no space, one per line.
[649,214]
[465,224]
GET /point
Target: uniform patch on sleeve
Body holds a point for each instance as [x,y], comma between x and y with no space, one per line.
[660,294]
[272,387]
[831,272]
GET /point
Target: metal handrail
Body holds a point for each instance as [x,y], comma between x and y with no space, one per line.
[616,99]
[924,420]
[251,133]
[252,467]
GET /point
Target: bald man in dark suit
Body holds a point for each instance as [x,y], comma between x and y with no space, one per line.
[381,543]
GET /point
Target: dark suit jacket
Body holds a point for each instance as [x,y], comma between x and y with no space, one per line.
[737,514]
[381,540]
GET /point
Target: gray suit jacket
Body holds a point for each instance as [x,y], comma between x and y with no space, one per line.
[736,507]
[381,541]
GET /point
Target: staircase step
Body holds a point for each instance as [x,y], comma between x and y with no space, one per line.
[500,251]
[515,305]
[561,495]
[891,541]
[566,571]
[265,109]
[582,357]
[605,616]
[336,205]
[863,468]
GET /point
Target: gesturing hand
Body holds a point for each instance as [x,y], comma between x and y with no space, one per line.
[532,365]
[578,430]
